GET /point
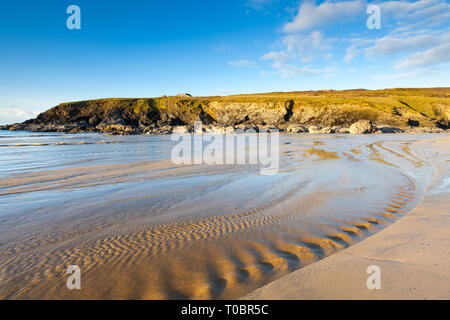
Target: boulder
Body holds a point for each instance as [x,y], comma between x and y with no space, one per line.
[326,130]
[362,127]
[180,130]
[390,130]
[336,129]
[313,129]
[219,129]
[413,123]
[343,130]
[295,128]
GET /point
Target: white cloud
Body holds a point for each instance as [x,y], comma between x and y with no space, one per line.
[437,55]
[300,44]
[350,53]
[390,45]
[413,28]
[311,16]
[408,35]
[303,47]
[276,55]
[395,76]
[287,70]
[418,12]
[307,47]
[242,63]
[400,13]
[10,115]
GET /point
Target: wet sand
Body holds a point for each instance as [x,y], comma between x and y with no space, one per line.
[413,254]
[141,227]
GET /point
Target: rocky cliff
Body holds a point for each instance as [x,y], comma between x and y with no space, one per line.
[325,110]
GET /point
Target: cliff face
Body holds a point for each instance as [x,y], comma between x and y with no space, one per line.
[271,113]
[400,108]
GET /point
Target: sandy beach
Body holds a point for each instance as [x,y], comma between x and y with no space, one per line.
[141,227]
[413,253]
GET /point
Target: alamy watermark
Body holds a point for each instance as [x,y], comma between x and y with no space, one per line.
[74,280]
[238,147]
[374,280]
[73,22]
[374,19]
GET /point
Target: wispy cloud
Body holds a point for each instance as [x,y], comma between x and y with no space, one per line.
[289,70]
[312,16]
[420,47]
[242,63]
[414,34]
[350,53]
[390,45]
[301,44]
[413,28]
[395,76]
[415,14]
[221,46]
[437,55]
[304,48]
[14,114]
[258,4]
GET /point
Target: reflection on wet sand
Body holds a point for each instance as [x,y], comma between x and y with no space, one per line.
[153,230]
[320,154]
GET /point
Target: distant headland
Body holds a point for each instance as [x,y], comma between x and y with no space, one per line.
[326,111]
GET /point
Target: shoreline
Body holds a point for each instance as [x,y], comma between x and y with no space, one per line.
[412,253]
[412,131]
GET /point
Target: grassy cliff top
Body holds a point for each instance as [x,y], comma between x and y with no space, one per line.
[420,100]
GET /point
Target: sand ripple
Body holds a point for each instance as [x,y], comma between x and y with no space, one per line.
[158,244]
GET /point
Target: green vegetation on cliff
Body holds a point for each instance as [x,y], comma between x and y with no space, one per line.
[392,107]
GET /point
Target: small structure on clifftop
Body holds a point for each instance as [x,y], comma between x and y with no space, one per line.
[184,95]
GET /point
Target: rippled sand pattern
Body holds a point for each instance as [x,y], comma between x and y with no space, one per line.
[153,230]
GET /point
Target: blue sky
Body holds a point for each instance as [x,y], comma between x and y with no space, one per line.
[151,48]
